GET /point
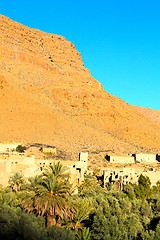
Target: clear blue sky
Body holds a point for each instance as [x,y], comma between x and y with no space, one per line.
[119,40]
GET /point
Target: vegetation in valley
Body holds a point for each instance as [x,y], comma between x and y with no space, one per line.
[46,207]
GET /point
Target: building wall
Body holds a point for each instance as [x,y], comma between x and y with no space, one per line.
[126,175]
[4,174]
[8,147]
[50,150]
[21,159]
[83,158]
[13,164]
[77,168]
[119,177]
[120,159]
[141,157]
[29,167]
[154,176]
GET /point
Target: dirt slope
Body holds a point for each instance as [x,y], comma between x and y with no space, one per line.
[151,114]
[48,96]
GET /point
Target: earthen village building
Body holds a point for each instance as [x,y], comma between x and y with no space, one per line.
[126,171]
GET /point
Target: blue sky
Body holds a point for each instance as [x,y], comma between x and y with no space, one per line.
[119,40]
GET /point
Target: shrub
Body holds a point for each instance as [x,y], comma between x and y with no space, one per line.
[20,148]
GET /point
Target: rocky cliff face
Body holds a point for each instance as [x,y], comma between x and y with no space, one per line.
[48,96]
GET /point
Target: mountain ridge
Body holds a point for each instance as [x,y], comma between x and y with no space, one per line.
[48,96]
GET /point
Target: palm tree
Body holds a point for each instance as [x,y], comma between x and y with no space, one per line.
[32,183]
[89,181]
[58,171]
[16,182]
[51,197]
[83,234]
[82,213]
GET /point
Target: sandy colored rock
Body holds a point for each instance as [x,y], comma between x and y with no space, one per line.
[48,96]
[151,114]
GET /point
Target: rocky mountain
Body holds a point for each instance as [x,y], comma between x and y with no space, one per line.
[48,96]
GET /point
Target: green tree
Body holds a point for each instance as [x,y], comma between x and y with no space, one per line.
[129,190]
[157,232]
[58,171]
[83,234]
[16,182]
[143,189]
[32,183]
[8,197]
[56,233]
[16,224]
[145,181]
[89,181]
[50,199]
[20,148]
[83,210]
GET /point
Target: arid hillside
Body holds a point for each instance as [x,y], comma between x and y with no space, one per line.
[151,114]
[48,96]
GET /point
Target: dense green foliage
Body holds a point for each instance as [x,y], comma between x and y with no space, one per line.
[20,148]
[96,213]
